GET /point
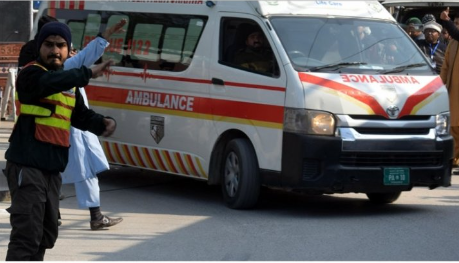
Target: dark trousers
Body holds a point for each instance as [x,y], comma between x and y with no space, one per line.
[33,212]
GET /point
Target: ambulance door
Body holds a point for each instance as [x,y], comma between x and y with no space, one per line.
[248,85]
[154,89]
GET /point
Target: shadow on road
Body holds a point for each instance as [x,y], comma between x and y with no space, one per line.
[156,188]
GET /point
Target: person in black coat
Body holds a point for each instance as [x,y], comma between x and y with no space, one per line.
[431,46]
[39,144]
[29,51]
[449,25]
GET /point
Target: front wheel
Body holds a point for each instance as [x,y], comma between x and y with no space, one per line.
[383,198]
[241,176]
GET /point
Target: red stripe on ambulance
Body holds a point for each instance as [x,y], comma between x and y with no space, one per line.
[149,158]
[344,89]
[420,96]
[108,152]
[411,102]
[160,160]
[189,161]
[180,163]
[146,75]
[139,157]
[168,161]
[220,107]
[127,154]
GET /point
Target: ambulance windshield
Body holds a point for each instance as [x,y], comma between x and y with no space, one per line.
[349,45]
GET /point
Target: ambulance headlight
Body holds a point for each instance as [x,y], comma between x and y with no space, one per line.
[309,122]
[442,125]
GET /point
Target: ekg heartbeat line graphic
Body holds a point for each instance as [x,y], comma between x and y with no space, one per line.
[144,75]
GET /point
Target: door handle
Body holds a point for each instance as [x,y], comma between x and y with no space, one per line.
[218,81]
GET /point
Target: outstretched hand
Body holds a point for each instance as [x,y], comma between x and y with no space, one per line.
[99,69]
[445,14]
[117,28]
[110,126]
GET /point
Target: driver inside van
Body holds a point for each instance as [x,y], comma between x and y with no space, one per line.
[255,55]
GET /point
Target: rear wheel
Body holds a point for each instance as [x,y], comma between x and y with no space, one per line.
[383,198]
[241,178]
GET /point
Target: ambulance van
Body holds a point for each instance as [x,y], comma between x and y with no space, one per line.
[321,97]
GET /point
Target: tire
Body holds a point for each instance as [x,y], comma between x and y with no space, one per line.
[383,198]
[240,175]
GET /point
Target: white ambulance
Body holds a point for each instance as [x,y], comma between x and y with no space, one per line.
[317,96]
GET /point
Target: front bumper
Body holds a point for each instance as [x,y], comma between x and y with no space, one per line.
[334,165]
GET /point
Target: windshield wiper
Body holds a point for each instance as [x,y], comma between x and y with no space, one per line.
[337,65]
[402,68]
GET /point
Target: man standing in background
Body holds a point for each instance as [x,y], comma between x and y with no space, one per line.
[431,45]
[450,76]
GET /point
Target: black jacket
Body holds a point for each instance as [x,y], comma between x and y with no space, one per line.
[452,29]
[28,53]
[32,84]
[439,54]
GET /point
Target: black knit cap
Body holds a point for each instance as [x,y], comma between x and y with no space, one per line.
[54,29]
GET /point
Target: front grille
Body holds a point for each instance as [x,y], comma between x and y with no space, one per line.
[393,131]
[379,117]
[391,159]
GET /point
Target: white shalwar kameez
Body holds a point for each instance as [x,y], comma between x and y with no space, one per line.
[86,156]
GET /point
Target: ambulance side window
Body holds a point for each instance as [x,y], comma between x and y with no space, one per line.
[162,42]
[145,42]
[149,41]
[91,28]
[117,40]
[172,44]
[194,31]
[243,45]
[77,29]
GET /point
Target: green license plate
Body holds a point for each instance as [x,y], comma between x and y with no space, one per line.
[396,176]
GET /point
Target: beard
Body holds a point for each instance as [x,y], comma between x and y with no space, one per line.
[53,62]
[53,66]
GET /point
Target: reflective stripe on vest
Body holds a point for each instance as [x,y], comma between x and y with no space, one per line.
[52,126]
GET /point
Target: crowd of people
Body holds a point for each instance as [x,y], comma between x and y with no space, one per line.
[438,40]
[451,80]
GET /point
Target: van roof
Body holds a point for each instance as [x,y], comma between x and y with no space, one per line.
[361,9]
[420,3]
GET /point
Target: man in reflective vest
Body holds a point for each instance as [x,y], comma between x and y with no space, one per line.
[39,143]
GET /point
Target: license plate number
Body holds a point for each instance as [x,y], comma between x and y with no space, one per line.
[396,176]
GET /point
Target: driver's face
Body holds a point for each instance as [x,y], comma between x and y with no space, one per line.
[255,40]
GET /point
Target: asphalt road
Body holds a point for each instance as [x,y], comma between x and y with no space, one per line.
[171,218]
